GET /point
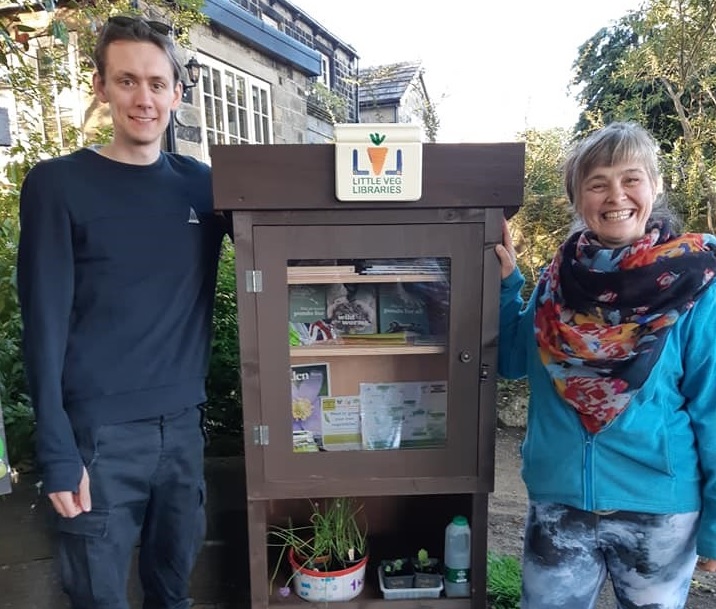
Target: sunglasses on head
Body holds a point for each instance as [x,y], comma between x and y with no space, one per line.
[128,22]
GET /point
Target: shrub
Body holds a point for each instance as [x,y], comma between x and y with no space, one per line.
[223,408]
[17,413]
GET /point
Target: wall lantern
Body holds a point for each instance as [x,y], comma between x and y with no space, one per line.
[193,69]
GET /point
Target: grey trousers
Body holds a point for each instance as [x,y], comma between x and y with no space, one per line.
[568,554]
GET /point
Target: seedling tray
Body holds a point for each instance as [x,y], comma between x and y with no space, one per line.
[408,593]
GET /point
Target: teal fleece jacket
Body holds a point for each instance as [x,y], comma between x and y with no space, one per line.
[658,456]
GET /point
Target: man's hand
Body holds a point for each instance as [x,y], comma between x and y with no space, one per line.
[706,564]
[506,252]
[69,504]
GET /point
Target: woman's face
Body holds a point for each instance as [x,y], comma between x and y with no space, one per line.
[615,203]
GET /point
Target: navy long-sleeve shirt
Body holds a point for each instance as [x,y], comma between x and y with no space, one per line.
[116,279]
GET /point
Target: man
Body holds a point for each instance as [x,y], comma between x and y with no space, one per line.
[116,275]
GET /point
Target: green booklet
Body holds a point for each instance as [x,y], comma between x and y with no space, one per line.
[401,308]
[306,303]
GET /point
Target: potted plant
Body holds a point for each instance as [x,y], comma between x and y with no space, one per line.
[397,573]
[333,544]
[427,570]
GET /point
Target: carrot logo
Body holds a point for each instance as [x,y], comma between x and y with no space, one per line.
[377,155]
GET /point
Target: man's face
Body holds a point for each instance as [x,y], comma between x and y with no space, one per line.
[139,87]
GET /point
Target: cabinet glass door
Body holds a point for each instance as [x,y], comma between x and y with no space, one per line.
[368,353]
[372,354]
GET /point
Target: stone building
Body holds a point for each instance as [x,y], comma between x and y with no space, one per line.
[270,73]
[394,93]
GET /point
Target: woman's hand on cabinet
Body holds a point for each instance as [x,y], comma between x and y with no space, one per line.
[506,252]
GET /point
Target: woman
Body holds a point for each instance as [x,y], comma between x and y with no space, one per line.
[619,345]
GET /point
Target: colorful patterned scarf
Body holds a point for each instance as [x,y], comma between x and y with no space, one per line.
[603,315]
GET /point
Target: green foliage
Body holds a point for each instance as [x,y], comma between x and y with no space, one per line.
[430,120]
[395,566]
[423,558]
[182,14]
[678,50]
[333,105]
[606,93]
[504,581]
[424,564]
[342,520]
[20,433]
[545,217]
[224,417]
[17,414]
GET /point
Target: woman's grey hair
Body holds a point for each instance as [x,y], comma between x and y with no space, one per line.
[618,142]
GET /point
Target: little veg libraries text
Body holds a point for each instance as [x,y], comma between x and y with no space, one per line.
[388,184]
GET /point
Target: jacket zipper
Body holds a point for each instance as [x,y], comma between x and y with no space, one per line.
[588,490]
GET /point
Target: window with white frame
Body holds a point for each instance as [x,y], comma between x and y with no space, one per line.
[236,107]
[325,77]
[270,21]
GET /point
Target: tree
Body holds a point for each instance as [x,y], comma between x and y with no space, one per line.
[541,224]
[677,51]
[606,94]
[545,217]
[658,66]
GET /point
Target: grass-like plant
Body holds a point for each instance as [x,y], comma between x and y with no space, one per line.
[344,523]
[504,581]
[334,538]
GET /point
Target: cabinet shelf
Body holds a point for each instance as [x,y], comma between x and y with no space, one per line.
[313,278]
[374,601]
[350,350]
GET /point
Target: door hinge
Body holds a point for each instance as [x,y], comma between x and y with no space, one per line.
[254,282]
[484,373]
[261,435]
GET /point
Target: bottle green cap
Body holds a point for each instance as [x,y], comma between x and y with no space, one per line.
[460,521]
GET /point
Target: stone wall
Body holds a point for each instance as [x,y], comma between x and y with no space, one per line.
[289,88]
[512,397]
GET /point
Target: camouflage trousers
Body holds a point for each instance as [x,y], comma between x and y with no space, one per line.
[568,553]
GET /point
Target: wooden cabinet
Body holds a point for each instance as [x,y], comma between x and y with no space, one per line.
[438,250]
